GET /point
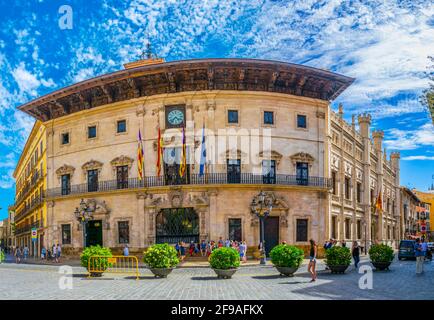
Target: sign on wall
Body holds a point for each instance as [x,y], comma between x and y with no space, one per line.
[34,234]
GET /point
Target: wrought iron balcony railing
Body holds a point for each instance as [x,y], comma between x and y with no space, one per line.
[37,176]
[193,179]
[29,208]
[28,227]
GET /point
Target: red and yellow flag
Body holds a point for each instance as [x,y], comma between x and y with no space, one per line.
[379,202]
[159,152]
[183,164]
[140,156]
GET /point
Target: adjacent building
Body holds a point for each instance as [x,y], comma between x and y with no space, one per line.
[31,180]
[267,126]
[427,198]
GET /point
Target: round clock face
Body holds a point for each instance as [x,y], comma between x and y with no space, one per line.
[175,117]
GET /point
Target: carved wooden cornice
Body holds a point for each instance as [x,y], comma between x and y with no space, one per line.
[189,76]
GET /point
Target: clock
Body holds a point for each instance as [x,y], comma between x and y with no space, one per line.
[175,116]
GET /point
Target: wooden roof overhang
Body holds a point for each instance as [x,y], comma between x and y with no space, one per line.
[189,75]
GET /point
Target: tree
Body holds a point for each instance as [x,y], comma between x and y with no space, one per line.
[427,98]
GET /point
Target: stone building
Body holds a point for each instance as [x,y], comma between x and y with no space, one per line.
[268,127]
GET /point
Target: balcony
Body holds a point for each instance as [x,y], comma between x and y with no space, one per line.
[29,208]
[27,228]
[37,176]
[193,179]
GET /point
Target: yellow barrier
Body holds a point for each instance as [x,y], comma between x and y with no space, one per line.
[114,264]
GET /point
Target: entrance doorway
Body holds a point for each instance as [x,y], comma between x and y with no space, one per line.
[94,233]
[173,225]
[271,233]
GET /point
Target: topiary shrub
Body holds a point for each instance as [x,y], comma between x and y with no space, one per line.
[338,256]
[381,253]
[224,258]
[2,256]
[284,255]
[96,264]
[161,256]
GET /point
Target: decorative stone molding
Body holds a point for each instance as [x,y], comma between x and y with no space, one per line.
[92,165]
[97,207]
[270,155]
[141,111]
[235,154]
[302,157]
[320,114]
[348,168]
[335,162]
[65,169]
[122,161]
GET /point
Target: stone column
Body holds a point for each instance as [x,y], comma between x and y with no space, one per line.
[141,226]
[213,211]
[378,136]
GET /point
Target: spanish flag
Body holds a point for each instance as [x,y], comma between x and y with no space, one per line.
[159,151]
[379,202]
[183,163]
[140,156]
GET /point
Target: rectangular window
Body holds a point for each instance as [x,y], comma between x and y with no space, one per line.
[301,121]
[334,186]
[66,184]
[268,117]
[91,132]
[122,126]
[301,235]
[65,138]
[234,170]
[122,177]
[347,229]
[359,229]
[347,188]
[124,231]
[66,234]
[232,116]
[235,230]
[302,173]
[333,227]
[92,180]
[269,171]
[359,192]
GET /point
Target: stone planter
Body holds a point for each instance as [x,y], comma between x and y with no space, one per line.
[225,274]
[381,265]
[286,271]
[161,272]
[338,268]
[96,274]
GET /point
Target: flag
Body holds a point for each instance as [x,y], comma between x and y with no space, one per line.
[202,154]
[140,156]
[379,202]
[183,164]
[160,152]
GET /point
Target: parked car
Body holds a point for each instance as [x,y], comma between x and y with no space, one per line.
[406,249]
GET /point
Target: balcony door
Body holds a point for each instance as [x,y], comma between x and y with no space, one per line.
[122,177]
[92,180]
[302,173]
[269,171]
[172,163]
[234,170]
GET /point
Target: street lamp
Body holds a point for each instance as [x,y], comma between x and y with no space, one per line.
[83,215]
[262,208]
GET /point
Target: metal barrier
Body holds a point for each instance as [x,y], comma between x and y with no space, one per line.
[114,264]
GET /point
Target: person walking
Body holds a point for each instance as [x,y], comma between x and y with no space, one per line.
[203,248]
[126,251]
[312,259]
[54,253]
[59,252]
[25,252]
[43,253]
[356,254]
[419,257]
[182,250]
[17,255]
[344,243]
[424,247]
[228,243]
[242,248]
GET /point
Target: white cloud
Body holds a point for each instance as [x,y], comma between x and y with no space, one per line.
[422,136]
[410,158]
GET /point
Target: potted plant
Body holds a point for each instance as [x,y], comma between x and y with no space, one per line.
[100,264]
[287,259]
[381,256]
[224,262]
[338,259]
[2,256]
[161,259]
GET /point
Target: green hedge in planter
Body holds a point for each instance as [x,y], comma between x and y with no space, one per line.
[338,256]
[2,256]
[224,258]
[99,264]
[284,255]
[161,256]
[381,253]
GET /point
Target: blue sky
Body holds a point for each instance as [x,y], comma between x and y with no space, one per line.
[383,44]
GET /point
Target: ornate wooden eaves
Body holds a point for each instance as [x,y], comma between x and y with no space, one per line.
[189,75]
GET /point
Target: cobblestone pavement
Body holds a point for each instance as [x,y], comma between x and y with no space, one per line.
[260,282]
